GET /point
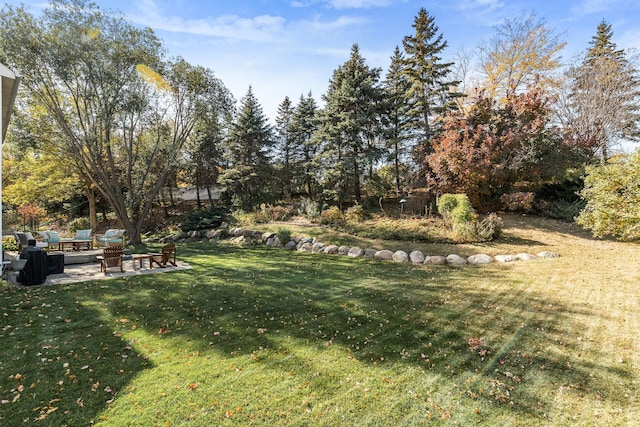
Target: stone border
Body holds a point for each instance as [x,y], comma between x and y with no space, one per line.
[310,244]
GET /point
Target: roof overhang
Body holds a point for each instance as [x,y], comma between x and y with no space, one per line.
[9,86]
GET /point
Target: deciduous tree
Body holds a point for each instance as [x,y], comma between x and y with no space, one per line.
[603,106]
[522,50]
[121,112]
[485,151]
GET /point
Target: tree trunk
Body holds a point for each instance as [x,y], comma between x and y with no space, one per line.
[198,190]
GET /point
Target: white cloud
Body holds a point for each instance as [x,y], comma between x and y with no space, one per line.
[359,4]
[262,28]
[479,5]
[593,6]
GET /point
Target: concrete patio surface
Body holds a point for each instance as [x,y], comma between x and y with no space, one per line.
[91,271]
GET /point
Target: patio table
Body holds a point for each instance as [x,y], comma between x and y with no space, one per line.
[76,245]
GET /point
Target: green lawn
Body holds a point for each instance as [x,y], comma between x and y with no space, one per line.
[269,337]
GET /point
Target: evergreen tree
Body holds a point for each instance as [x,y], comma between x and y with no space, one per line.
[248,177]
[304,126]
[348,126]
[429,94]
[395,118]
[603,103]
[285,145]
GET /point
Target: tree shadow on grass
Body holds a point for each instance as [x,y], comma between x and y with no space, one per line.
[62,364]
[505,346]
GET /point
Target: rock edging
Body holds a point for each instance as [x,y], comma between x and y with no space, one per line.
[311,245]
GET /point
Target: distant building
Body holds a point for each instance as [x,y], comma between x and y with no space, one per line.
[190,193]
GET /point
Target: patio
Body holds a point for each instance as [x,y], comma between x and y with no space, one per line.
[81,272]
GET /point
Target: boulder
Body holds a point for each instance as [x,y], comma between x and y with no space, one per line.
[343,250]
[370,252]
[416,257]
[224,224]
[237,232]
[383,255]
[454,259]
[213,234]
[547,254]
[317,247]
[331,249]
[435,260]
[291,245]
[526,257]
[266,236]
[506,258]
[306,247]
[355,252]
[479,259]
[400,256]
[273,242]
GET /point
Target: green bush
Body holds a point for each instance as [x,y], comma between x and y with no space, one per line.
[456,208]
[204,219]
[331,216]
[355,214]
[309,208]
[9,244]
[612,194]
[489,228]
[562,209]
[284,235]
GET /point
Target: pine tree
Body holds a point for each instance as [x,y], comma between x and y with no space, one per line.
[285,145]
[395,116]
[304,126]
[430,92]
[348,127]
[249,173]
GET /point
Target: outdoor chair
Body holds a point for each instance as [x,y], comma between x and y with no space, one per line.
[111,257]
[82,240]
[22,239]
[111,237]
[51,238]
[167,256]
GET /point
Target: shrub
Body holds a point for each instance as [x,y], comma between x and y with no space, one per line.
[613,198]
[284,235]
[518,201]
[79,224]
[9,244]
[456,208]
[561,209]
[204,219]
[489,228]
[331,216]
[355,214]
[309,208]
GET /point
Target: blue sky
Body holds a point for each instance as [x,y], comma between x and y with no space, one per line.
[290,47]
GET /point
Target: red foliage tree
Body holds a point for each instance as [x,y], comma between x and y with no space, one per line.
[484,151]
